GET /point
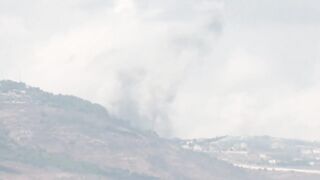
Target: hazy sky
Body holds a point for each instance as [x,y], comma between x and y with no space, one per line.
[187,68]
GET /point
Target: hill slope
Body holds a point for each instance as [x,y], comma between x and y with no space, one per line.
[49,136]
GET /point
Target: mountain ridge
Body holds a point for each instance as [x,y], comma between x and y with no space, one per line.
[50,136]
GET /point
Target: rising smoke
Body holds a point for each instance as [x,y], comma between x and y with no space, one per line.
[188,68]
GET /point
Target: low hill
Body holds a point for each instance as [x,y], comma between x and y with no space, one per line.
[48,136]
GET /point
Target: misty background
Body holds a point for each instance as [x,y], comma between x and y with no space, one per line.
[184,68]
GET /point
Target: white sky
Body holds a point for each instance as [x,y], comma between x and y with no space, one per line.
[187,68]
